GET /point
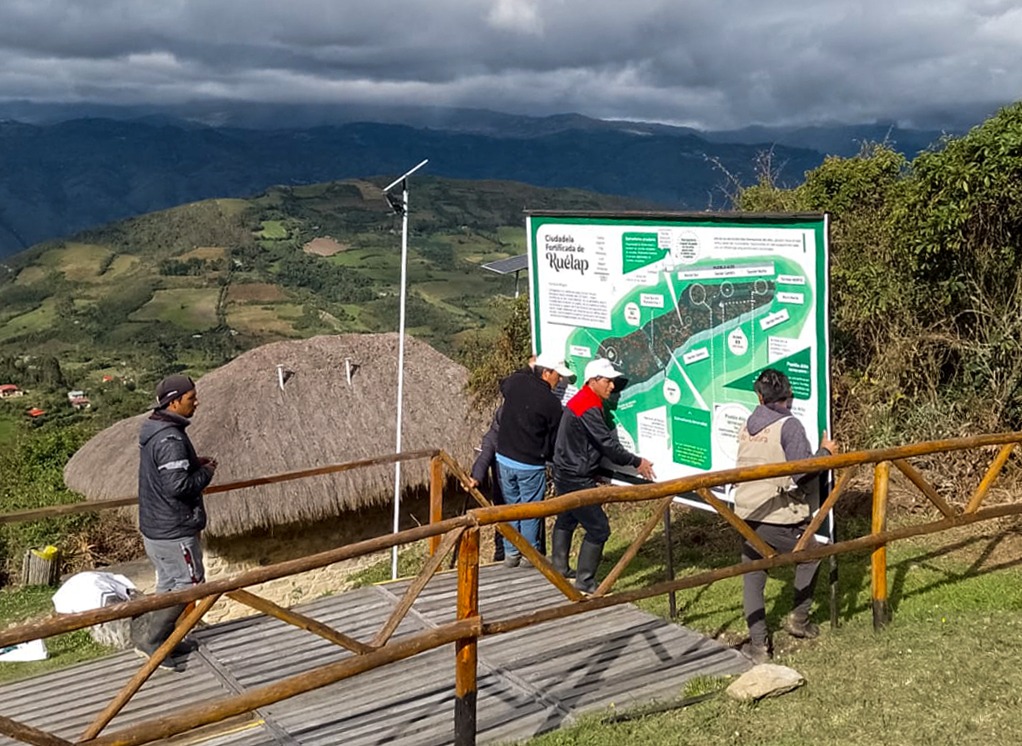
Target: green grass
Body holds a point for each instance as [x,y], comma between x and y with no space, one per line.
[8,421]
[274,230]
[943,671]
[34,601]
[35,320]
[193,309]
[913,683]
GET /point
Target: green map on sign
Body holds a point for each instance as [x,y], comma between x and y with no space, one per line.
[695,335]
[798,368]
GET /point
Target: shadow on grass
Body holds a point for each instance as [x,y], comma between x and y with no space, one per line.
[702,541]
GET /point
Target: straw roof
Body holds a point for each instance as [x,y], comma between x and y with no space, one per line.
[254,428]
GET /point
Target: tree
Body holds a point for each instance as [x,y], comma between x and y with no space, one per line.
[491,361]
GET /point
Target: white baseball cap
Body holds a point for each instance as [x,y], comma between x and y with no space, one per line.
[601,367]
[550,361]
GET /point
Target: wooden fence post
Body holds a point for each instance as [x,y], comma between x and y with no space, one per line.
[881,610]
[466,651]
[41,566]
[672,597]
[436,498]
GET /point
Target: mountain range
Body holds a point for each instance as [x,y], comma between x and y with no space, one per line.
[64,172]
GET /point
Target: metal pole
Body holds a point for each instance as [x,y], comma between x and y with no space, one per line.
[400,376]
[403,207]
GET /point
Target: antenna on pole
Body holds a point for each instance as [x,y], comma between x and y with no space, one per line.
[403,176]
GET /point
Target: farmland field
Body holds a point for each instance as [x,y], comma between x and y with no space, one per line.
[261,319]
[193,309]
[33,321]
[255,292]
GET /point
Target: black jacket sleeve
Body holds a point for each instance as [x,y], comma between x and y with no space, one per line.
[553,412]
[488,448]
[606,440]
[181,478]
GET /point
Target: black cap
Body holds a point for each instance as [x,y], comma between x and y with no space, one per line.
[171,388]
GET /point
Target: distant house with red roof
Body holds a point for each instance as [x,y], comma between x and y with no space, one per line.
[35,412]
[9,390]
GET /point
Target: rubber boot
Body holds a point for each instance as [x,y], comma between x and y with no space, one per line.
[561,547]
[589,556]
[151,630]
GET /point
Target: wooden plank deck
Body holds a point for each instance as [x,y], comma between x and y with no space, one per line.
[530,681]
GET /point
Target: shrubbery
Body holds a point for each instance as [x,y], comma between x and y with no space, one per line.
[33,477]
[926,295]
[926,302]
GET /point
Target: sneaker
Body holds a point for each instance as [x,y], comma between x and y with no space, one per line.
[801,628]
[512,560]
[167,664]
[758,654]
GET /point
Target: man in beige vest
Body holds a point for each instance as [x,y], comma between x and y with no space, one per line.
[779,509]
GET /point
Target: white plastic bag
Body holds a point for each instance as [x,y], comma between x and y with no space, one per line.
[33,650]
[91,590]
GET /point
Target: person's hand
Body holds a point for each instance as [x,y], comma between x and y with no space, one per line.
[473,482]
[208,463]
[830,445]
[645,469]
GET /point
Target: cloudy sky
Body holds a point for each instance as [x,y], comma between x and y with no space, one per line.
[710,64]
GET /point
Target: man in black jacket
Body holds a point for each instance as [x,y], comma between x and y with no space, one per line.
[171,514]
[583,440]
[525,441]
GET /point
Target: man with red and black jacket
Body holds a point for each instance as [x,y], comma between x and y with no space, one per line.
[584,438]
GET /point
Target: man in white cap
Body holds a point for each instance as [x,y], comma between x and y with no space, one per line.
[583,440]
[525,442]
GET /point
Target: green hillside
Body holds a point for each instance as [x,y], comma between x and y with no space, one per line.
[191,287]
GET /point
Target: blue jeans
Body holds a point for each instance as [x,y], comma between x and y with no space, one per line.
[523,486]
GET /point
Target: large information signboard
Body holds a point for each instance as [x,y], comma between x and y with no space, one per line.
[691,307]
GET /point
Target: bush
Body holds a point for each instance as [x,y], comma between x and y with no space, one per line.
[489,361]
[33,469]
[926,296]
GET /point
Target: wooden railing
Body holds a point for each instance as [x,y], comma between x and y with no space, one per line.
[462,533]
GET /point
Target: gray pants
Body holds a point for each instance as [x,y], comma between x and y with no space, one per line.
[783,539]
[168,557]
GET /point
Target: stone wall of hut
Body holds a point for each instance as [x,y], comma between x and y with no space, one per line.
[231,555]
[225,556]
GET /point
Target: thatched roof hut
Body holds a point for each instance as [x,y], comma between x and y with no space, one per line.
[253,427]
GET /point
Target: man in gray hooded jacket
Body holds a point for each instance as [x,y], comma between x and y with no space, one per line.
[171,514]
[778,509]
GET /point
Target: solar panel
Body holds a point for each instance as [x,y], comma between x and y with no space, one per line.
[507,266]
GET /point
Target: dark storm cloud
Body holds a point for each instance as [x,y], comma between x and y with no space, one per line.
[707,64]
